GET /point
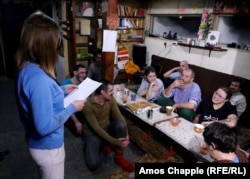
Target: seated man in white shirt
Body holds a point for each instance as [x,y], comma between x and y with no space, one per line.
[238,99]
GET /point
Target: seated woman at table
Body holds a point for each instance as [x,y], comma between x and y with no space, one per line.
[222,144]
[151,87]
[217,108]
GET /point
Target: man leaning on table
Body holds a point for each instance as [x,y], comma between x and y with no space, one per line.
[183,94]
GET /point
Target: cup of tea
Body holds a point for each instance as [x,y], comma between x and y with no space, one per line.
[198,128]
[169,110]
[124,99]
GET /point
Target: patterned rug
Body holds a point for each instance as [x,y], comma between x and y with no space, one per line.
[147,158]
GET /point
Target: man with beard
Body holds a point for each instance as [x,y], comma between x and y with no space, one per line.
[238,99]
[79,74]
[183,94]
[106,129]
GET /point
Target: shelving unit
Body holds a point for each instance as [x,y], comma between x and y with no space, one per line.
[99,24]
[210,49]
[84,31]
[79,32]
[131,26]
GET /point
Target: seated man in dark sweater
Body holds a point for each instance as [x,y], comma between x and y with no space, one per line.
[102,134]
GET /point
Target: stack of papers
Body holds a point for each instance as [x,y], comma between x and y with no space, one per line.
[85,88]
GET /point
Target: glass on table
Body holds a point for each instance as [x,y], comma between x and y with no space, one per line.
[122,87]
[175,121]
[124,98]
[133,97]
[169,110]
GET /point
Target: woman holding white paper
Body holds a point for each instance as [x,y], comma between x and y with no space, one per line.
[40,99]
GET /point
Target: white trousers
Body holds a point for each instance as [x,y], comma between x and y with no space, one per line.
[49,162]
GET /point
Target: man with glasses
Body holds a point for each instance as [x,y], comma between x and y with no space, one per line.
[217,108]
[79,74]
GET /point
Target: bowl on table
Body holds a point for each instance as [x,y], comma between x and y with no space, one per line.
[175,121]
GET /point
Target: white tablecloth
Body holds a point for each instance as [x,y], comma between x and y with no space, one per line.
[183,134]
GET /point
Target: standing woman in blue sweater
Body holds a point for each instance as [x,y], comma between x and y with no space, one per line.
[40,99]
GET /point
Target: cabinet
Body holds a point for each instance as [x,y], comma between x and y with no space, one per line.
[84,30]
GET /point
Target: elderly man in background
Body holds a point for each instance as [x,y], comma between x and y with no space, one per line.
[183,94]
[174,73]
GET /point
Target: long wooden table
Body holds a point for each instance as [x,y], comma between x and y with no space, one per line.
[183,134]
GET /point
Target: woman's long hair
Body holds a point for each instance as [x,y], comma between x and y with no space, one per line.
[38,43]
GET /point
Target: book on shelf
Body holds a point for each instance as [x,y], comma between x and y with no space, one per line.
[130,11]
[123,58]
[122,52]
[130,23]
[123,55]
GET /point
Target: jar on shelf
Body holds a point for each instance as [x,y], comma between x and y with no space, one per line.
[165,35]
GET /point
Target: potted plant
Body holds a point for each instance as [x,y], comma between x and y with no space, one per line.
[205,27]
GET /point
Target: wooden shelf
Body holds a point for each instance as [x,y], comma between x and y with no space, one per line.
[210,49]
[130,40]
[132,17]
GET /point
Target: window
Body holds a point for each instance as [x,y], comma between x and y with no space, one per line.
[185,26]
[236,29]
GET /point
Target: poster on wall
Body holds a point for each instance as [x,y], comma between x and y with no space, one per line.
[213,37]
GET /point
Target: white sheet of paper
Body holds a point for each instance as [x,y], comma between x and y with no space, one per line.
[109,40]
[85,27]
[213,37]
[85,88]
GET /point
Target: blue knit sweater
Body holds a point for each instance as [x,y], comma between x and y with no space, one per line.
[40,102]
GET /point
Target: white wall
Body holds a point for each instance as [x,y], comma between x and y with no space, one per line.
[179,6]
[232,28]
[233,61]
